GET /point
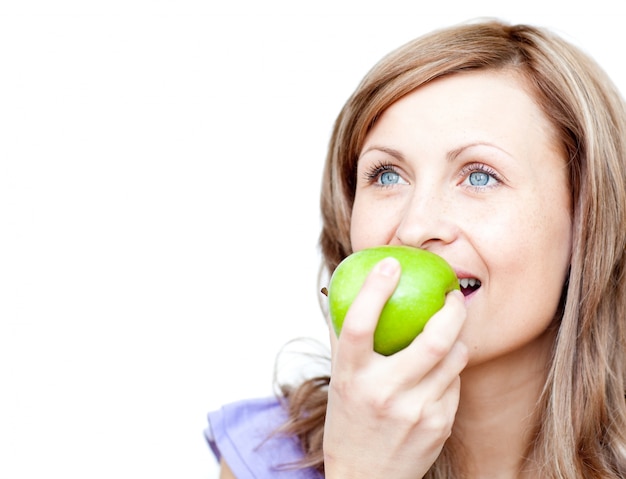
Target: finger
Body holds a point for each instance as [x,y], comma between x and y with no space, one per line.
[446,372]
[433,412]
[333,339]
[434,343]
[441,413]
[356,339]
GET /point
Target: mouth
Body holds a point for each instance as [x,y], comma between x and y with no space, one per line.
[469,285]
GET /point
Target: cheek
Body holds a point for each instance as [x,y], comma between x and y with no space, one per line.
[361,223]
[529,257]
[526,272]
[370,225]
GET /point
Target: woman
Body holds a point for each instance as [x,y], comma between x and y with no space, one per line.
[502,149]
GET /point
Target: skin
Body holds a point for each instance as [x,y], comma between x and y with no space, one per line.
[466,167]
[225,472]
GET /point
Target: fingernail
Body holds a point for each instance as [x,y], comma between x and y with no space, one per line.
[458,294]
[388,266]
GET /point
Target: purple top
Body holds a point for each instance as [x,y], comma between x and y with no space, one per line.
[241,433]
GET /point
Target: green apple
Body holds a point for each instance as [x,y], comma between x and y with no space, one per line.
[425,280]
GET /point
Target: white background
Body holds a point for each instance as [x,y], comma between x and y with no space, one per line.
[159,172]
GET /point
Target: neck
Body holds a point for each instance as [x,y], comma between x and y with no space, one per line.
[498,411]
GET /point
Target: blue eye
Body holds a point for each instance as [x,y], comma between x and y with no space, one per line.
[478,178]
[389,178]
[384,175]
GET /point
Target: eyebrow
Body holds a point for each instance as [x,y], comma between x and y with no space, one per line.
[450,156]
[385,149]
[397,154]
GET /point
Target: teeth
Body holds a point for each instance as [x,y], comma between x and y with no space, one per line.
[468,282]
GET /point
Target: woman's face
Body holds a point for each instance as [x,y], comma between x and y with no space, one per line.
[468,167]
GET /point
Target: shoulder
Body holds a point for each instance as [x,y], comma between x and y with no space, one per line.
[245,436]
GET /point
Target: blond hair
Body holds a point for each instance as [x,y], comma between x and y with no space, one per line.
[581,427]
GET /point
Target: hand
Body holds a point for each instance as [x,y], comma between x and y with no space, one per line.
[389,416]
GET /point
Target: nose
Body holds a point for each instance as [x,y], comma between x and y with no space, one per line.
[428,220]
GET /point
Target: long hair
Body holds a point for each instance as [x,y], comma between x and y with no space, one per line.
[581,427]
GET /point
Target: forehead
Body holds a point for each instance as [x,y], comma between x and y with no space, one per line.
[478,105]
